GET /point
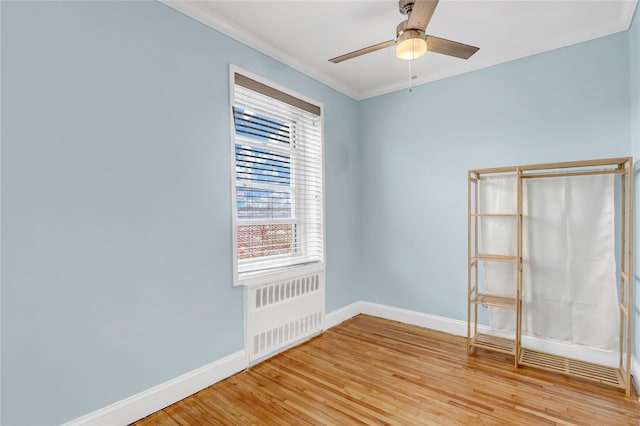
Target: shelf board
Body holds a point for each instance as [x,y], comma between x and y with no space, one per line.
[495,301]
[584,370]
[495,258]
[493,343]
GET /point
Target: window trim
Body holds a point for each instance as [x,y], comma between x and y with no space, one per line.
[284,94]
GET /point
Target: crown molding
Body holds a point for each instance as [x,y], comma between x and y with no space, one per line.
[621,26]
[197,11]
[194,10]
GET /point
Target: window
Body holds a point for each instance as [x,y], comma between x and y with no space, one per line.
[278,184]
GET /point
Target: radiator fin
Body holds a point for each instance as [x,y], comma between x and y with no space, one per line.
[282,291]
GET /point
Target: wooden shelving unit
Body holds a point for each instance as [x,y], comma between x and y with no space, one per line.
[477,297]
[618,377]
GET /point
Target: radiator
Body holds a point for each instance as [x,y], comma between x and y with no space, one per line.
[282,313]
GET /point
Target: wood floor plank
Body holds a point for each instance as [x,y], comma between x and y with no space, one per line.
[377,372]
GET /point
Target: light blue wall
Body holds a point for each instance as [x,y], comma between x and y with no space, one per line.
[116,242]
[634,90]
[567,104]
[116,219]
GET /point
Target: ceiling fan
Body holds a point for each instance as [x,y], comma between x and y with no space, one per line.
[411,41]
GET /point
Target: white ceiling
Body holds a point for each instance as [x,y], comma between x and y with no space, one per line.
[305,34]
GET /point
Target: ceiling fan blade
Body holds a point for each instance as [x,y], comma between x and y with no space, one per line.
[361,52]
[421,14]
[451,48]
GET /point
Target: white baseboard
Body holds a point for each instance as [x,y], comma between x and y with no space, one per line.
[158,397]
[341,315]
[433,322]
[151,400]
[459,328]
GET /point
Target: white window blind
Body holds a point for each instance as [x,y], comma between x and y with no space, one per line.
[278,179]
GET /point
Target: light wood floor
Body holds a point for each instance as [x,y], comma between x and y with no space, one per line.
[373,371]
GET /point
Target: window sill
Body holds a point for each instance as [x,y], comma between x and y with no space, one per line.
[256,279]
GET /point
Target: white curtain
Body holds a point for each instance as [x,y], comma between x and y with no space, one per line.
[569,267]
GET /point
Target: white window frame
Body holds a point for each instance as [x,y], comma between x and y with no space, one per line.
[262,277]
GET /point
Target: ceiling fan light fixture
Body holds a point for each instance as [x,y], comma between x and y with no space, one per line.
[410,45]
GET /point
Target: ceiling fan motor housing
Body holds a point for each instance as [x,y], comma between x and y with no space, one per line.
[403,33]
